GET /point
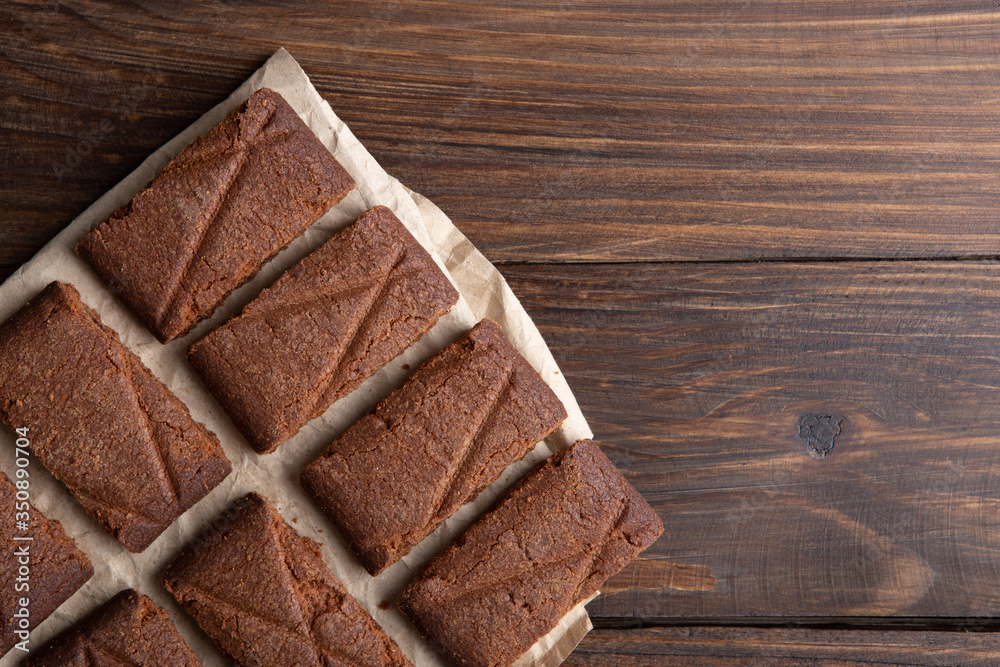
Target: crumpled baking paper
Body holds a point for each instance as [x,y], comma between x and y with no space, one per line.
[484,294]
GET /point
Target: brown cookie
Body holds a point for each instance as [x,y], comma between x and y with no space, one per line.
[100,422]
[266,598]
[323,328]
[432,445]
[549,544]
[217,213]
[38,572]
[129,629]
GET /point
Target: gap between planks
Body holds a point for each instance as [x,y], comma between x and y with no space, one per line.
[909,623]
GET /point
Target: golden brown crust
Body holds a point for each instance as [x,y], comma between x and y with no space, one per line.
[323,328]
[220,210]
[92,406]
[432,445]
[548,545]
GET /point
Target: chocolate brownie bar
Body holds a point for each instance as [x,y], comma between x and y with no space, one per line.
[38,574]
[100,422]
[466,414]
[264,595]
[129,629]
[323,328]
[549,544]
[219,211]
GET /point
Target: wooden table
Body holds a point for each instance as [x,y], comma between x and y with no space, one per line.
[760,238]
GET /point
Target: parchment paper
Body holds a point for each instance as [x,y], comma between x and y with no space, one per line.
[484,294]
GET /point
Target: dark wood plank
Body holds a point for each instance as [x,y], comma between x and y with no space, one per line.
[595,131]
[582,130]
[719,387]
[782,647]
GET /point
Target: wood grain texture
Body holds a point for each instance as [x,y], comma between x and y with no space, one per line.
[819,437]
[700,375]
[580,130]
[782,647]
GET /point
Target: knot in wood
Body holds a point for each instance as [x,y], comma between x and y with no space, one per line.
[819,432]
